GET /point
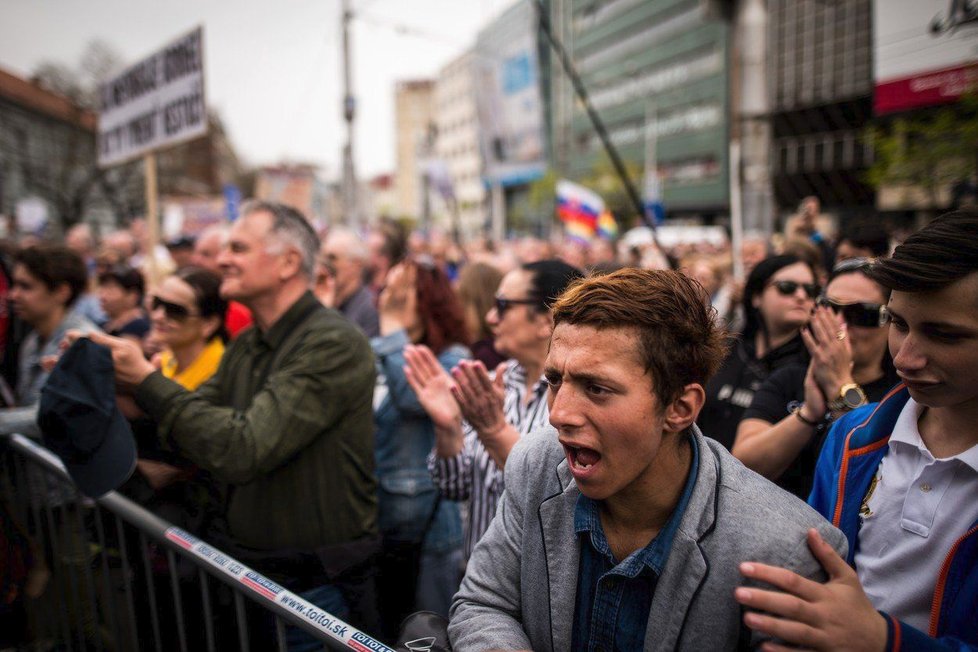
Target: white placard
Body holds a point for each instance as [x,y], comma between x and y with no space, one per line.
[154,103]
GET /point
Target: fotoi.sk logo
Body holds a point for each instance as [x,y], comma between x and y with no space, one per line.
[262,585]
[181,538]
[363,643]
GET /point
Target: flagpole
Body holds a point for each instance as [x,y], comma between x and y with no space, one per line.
[596,121]
[653,185]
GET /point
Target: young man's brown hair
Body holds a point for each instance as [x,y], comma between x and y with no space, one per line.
[680,341]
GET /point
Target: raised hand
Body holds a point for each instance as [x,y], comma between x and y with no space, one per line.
[397,306]
[432,385]
[482,401]
[480,398]
[828,344]
[131,367]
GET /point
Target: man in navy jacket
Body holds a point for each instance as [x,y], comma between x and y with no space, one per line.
[900,477]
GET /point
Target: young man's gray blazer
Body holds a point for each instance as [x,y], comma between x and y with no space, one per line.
[520,587]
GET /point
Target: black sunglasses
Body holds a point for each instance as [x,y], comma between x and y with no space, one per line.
[502,305]
[787,288]
[172,311]
[853,264]
[867,315]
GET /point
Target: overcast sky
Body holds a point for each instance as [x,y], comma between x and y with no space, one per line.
[272,66]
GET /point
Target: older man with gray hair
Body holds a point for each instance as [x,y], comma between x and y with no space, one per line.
[207,250]
[344,259]
[286,422]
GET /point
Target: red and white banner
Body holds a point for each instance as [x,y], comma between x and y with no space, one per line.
[926,89]
[925,53]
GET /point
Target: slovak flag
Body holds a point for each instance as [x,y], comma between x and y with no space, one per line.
[578,208]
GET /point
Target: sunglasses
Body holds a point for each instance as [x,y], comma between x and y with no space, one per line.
[502,305]
[867,315]
[173,311]
[787,288]
[853,265]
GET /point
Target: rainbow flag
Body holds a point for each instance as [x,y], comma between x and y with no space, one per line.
[578,208]
[607,226]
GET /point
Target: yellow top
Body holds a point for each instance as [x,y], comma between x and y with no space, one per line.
[202,368]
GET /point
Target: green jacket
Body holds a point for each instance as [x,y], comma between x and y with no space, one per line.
[287,422]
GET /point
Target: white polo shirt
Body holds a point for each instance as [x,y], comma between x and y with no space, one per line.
[915,510]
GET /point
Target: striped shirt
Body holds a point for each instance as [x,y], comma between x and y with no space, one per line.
[472,475]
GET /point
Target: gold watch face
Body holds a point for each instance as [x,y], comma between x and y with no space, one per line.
[852,397]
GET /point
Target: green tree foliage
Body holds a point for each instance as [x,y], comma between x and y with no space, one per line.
[930,151]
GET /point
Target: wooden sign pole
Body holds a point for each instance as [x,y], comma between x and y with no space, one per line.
[152,222]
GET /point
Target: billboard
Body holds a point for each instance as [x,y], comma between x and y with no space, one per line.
[925,52]
[154,103]
[508,100]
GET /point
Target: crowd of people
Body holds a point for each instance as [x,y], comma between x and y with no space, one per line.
[602,439]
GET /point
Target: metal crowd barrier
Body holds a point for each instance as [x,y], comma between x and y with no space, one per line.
[101,597]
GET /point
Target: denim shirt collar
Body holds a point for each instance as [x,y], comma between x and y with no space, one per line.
[654,555]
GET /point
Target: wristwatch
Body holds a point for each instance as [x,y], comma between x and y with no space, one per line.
[850,397]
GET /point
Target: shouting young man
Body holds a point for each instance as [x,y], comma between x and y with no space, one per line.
[623,527]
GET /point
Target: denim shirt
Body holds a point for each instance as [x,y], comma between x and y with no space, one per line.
[613,599]
[404,436]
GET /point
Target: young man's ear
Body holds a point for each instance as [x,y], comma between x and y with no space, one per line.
[682,412]
[62,291]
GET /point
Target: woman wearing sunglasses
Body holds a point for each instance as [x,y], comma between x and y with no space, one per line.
[782,432]
[778,299]
[478,417]
[187,314]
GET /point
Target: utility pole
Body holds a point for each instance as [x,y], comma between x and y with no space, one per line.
[351,213]
[750,124]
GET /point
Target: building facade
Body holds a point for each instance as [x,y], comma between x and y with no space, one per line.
[512,130]
[49,179]
[296,185]
[821,99]
[457,148]
[656,74]
[414,115]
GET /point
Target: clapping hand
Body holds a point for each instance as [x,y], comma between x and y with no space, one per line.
[480,398]
[432,385]
[828,344]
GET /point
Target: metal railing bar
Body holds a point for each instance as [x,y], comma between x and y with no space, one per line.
[88,578]
[171,562]
[58,574]
[128,575]
[150,591]
[242,620]
[34,522]
[280,635]
[74,590]
[205,596]
[109,600]
[335,633]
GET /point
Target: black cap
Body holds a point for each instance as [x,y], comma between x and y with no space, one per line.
[81,422]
